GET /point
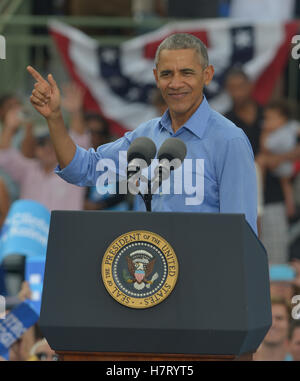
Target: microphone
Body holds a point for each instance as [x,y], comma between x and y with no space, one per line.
[170,155]
[139,155]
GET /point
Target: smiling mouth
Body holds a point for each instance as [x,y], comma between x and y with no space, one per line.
[177,96]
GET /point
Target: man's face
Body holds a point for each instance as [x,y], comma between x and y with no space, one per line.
[282,290]
[294,347]
[273,119]
[239,89]
[181,78]
[46,155]
[8,105]
[280,324]
[97,131]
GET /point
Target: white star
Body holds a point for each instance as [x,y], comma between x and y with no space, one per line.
[243,39]
[116,81]
[109,56]
[133,93]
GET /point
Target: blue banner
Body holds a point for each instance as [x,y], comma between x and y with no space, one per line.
[25,230]
[15,324]
[34,275]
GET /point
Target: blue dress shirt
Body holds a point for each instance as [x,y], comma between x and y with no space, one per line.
[226,171]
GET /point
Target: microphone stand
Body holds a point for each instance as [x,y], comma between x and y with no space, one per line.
[147,198]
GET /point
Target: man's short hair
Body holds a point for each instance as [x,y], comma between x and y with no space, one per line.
[183,41]
[237,71]
[277,300]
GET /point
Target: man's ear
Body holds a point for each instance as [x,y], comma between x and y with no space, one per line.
[155,76]
[208,74]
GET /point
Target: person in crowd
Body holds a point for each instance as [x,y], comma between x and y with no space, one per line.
[282,278]
[41,351]
[295,263]
[94,130]
[12,111]
[4,201]
[245,112]
[20,350]
[7,102]
[280,135]
[98,129]
[90,126]
[275,222]
[275,344]
[294,340]
[35,176]
[72,103]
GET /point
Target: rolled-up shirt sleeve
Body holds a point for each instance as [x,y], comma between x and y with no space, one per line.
[237,180]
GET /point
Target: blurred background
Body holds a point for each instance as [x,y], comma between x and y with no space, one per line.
[101,55]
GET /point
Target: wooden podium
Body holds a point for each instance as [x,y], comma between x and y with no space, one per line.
[219,309]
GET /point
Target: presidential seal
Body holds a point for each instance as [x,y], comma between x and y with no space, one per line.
[139,269]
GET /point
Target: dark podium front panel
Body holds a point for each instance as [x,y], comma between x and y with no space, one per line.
[220,304]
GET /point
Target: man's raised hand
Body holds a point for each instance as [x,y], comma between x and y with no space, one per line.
[45,96]
[46,100]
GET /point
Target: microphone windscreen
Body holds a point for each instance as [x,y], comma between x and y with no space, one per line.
[142,148]
[172,148]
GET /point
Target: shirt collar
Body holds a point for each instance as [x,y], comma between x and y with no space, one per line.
[197,122]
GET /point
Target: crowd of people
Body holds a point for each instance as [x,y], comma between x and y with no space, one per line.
[274,134]
[28,160]
[27,163]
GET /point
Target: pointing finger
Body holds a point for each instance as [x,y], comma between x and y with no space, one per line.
[36,75]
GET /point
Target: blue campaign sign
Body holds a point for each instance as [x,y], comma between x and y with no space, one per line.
[15,324]
[34,275]
[25,230]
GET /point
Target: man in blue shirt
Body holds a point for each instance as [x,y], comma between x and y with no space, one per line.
[223,158]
